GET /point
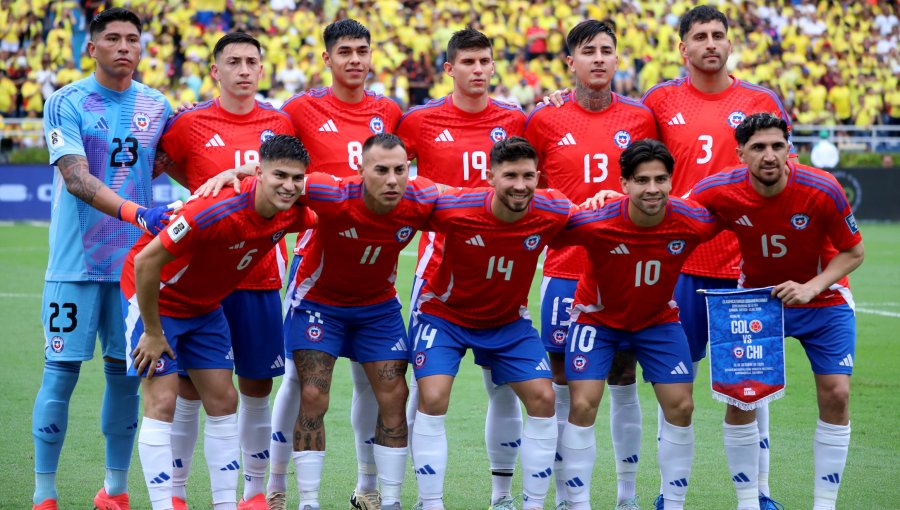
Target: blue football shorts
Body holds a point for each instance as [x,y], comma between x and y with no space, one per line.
[74,314]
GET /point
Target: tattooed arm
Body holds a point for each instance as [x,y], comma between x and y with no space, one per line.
[164,164]
[79,182]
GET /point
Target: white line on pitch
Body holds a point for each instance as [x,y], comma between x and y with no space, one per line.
[883,313]
[13,295]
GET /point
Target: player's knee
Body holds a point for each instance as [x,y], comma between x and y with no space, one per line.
[257,388]
[222,402]
[160,405]
[835,396]
[540,403]
[433,402]
[582,411]
[314,398]
[679,410]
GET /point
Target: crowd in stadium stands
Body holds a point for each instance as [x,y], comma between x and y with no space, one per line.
[833,62]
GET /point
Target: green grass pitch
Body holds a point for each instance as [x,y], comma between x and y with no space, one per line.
[871,480]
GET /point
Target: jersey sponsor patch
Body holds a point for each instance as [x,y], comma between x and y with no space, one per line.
[178,229]
[265,135]
[55,138]
[622,139]
[735,118]
[141,121]
[800,221]
[677,246]
[376,125]
[532,242]
[404,234]
[851,223]
[498,134]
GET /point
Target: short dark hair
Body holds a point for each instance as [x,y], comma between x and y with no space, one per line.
[99,22]
[701,14]
[284,148]
[384,140]
[643,151]
[349,28]
[587,30]
[466,39]
[514,148]
[757,122]
[235,38]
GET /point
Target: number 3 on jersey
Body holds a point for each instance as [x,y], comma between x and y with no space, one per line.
[706,147]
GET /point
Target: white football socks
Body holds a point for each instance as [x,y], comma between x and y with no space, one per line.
[185,429]
[741,450]
[429,440]
[762,421]
[676,453]
[502,435]
[363,417]
[155,452]
[625,430]
[254,430]
[579,448]
[538,452]
[308,465]
[830,455]
[221,447]
[561,404]
[391,464]
[284,416]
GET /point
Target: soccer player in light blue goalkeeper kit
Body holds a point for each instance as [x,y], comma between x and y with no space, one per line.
[102,133]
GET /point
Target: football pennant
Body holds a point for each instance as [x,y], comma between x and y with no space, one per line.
[746,346]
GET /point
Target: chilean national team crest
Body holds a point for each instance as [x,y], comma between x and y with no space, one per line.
[141,121]
[558,336]
[278,235]
[314,333]
[57,344]
[532,242]
[265,135]
[622,139]
[404,234]
[738,352]
[800,221]
[498,134]
[735,118]
[376,125]
[160,366]
[579,363]
[420,359]
[675,247]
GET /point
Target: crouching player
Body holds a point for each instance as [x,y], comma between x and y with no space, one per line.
[345,297]
[173,285]
[636,246]
[477,299]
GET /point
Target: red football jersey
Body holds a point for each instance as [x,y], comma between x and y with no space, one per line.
[334,131]
[484,278]
[578,154]
[207,140]
[216,243]
[351,259]
[790,236]
[453,147]
[698,129]
[632,271]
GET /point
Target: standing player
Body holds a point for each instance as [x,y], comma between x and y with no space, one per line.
[637,245]
[102,132]
[174,284]
[578,147]
[364,223]
[477,299]
[451,138]
[214,136]
[696,117]
[796,233]
[333,123]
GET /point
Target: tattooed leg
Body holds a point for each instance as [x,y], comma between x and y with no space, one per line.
[314,369]
[388,379]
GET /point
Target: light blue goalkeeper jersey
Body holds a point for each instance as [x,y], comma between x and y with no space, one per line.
[117,132]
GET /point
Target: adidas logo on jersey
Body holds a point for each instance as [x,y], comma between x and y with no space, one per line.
[476,241]
[543,366]
[237,246]
[279,363]
[349,233]
[215,141]
[744,221]
[620,250]
[680,369]
[677,120]
[230,355]
[328,127]
[847,361]
[445,136]
[101,125]
[400,346]
[567,140]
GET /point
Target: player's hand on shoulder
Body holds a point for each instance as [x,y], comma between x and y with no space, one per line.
[215,184]
[600,199]
[793,293]
[185,106]
[149,349]
[555,98]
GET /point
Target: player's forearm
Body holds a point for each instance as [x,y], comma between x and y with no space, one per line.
[163,164]
[148,266]
[79,182]
[840,266]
